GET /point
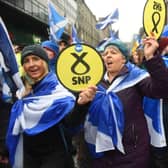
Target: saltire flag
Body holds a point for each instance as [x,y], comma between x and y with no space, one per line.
[57,23]
[113,36]
[110,19]
[100,45]
[10,78]
[46,107]
[75,38]
[104,128]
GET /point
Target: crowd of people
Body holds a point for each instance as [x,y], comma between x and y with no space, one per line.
[118,127]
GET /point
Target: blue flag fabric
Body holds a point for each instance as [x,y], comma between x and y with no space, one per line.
[8,66]
[5,89]
[165,31]
[111,18]
[100,46]
[35,113]
[75,38]
[154,116]
[56,23]
[105,121]
[153,109]
[165,59]
[113,36]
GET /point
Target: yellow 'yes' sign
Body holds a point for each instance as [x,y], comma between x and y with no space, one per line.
[154,17]
[79,66]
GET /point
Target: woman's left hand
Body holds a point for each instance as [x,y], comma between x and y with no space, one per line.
[150,46]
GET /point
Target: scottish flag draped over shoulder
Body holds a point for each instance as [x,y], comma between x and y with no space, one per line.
[153,109]
[9,75]
[111,18]
[47,106]
[104,125]
[56,23]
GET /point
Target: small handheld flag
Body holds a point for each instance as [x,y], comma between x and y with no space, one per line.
[56,23]
[111,18]
[75,38]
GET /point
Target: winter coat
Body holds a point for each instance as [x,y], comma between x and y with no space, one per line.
[136,139]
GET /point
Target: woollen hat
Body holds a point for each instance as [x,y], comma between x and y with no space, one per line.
[36,50]
[163,42]
[120,45]
[51,46]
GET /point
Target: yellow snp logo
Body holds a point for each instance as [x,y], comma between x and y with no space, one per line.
[79,66]
[154,17]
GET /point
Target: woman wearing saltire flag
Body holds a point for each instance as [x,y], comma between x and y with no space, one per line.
[35,138]
[116,130]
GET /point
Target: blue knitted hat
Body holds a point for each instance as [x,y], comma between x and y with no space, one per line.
[51,46]
[120,45]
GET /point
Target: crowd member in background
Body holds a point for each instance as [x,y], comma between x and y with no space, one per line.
[52,50]
[137,57]
[62,44]
[115,127]
[18,49]
[45,105]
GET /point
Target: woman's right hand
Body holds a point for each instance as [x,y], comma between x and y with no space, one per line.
[87,95]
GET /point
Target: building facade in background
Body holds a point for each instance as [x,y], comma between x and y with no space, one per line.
[27,20]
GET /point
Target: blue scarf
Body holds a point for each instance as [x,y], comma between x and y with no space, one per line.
[37,112]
